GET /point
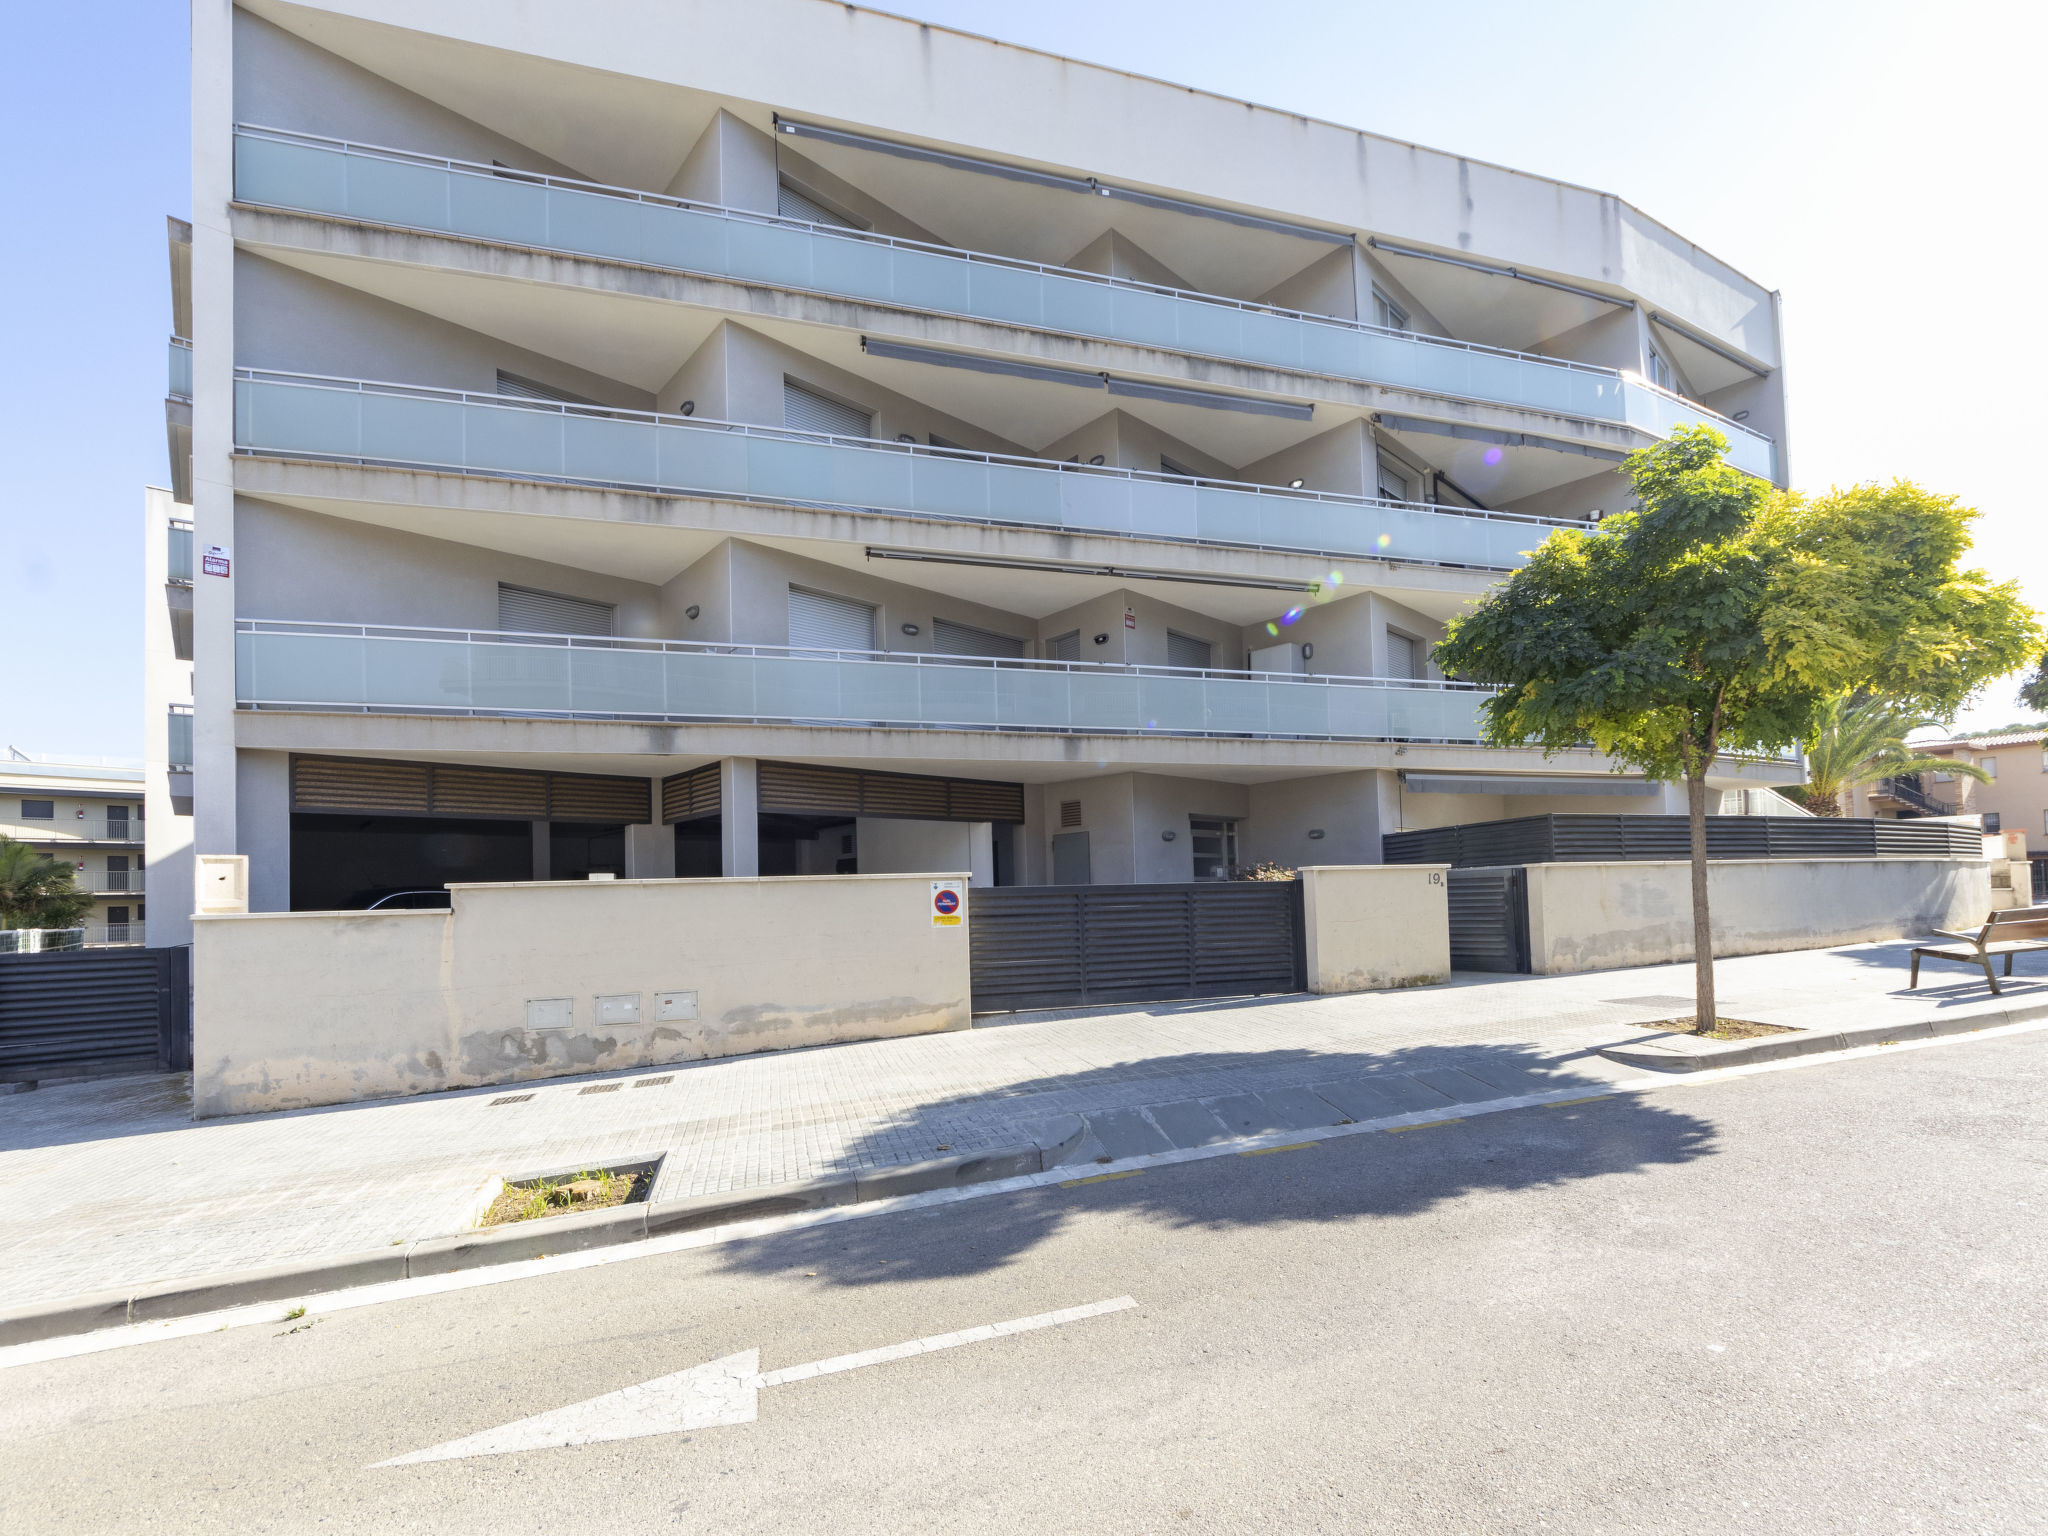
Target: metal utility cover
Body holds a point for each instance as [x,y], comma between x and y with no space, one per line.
[619,1008]
[670,1007]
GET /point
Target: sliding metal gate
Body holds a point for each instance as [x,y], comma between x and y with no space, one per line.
[1489,919]
[87,1012]
[1054,946]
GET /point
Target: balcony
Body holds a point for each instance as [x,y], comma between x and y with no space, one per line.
[305,173]
[178,554]
[74,829]
[180,387]
[377,670]
[109,882]
[297,415]
[178,738]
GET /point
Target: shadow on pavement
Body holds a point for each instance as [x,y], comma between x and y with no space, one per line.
[1948,983]
[1373,1176]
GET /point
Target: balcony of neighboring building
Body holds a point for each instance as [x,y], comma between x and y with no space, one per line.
[72,830]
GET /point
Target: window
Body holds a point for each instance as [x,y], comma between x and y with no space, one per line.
[1989,765]
[1991,821]
[1065,647]
[1385,312]
[1187,651]
[1393,484]
[806,410]
[526,611]
[1169,467]
[38,810]
[819,621]
[950,639]
[791,202]
[1656,370]
[1215,846]
[1404,656]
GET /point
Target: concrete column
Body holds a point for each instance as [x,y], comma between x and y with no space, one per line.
[263,831]
[981,854]
[543,852]
[650,853]
[739,817]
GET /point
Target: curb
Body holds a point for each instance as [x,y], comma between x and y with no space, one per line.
[1688,1053]
[527,1240]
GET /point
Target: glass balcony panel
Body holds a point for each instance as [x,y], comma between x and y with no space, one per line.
[1352,711]
[1010,294]
[300,669]
[404,429]
[178,555]
[1333,349]
[290,418]
[520,678]
[1543,389]
[498,208]
[860,269]
[624,682]
[179,382]
[1432,713]
[1595,394]
[392,192]
[1094,501]
[178,746]
[1162,508]
[1302,709]
[1300,522]
[701,459]
[1213,330]
[1022,495]
[957,695]
[615,452]
[1271,339]
[589,221]
[1150,319]
[794,471]
[512,439]
[1444,370]
[1105,701]
[943,487]
[1237,517]
[880,693]
[792,688]
[1033,696]
[684,239]
[420,674]
[931,282]
[1172,703]
[1500,378]
[1076,305]
[1238,705]
[1395,360]
[769,253]
[711,686]
[290,175]
[871,477]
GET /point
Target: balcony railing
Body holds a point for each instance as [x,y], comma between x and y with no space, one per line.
[74,829]
[302,415]
[304,172]
[178,742]
[372,669]
[109,882]
[178,554]
[180,386]
[1908,790]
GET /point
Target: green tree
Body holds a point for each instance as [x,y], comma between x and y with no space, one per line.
[36,891]
[2034,691]
[1721,617]
[1859,741]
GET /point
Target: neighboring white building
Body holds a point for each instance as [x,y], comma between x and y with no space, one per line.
[88,813]
[784,437]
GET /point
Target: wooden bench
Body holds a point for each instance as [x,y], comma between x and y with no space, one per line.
[2015,931]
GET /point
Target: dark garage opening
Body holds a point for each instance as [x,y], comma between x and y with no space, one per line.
[344,863]
[579,849]
[700,852]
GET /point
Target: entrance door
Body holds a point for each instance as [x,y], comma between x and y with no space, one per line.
[1070,859]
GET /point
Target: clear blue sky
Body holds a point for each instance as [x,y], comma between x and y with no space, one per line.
[1879,162]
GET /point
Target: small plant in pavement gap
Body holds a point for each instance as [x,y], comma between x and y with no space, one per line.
[1721,617]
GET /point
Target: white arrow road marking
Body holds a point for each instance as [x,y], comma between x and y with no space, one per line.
[722,1392]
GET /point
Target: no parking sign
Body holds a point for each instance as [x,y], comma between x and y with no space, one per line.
[949,904]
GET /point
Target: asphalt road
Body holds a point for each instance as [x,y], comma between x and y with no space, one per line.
[1812,1300]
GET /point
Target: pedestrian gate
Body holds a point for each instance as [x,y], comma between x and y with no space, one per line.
[86,1012]
[1054,946]
[1489,919]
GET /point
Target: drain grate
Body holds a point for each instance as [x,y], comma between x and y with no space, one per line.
[511,1098]
[653,1082]
[1649,1002]
[599,1088]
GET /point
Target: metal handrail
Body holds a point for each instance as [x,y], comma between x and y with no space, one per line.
[430,633]
[793,434]
[838,232]
[76,830]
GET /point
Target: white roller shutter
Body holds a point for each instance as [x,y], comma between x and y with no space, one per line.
[1065,647]
[808,411]
[1404,656]
[532,389]
[792,204]
[527,612]
[1187,651]
[950,639]
[820,622]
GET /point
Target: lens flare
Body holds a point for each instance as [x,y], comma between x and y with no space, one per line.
[1492,456]
[1386,541]
[1272,628]
[1290,615]
[1336,578]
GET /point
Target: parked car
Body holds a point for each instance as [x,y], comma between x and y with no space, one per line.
[417,901]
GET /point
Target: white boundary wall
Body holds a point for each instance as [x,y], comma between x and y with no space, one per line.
[1374,926]
[304,1008]
[1597,917]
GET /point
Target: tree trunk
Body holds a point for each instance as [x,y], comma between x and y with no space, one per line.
[1702,920]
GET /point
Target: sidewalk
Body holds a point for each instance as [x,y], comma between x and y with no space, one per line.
[109,1183]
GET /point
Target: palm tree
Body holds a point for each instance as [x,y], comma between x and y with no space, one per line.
[1861,741]
[36,891]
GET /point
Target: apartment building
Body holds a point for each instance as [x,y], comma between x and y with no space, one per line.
[679,437]
[2014,799]
[87,813]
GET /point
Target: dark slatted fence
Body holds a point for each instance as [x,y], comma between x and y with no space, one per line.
[1055,946]
[83,1012]
[1573,837]
[1489,919]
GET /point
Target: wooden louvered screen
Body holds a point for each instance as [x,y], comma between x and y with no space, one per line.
[686,796]
[812,790]
[386,788]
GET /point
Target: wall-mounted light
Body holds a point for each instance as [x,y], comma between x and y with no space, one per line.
[1102,639]
[1315,834]
[1742,415]
[1308,651]
[688,407]
[906,437]
[692,611]
[1166,836]
[910,629]
[1294,484]
[1095,459]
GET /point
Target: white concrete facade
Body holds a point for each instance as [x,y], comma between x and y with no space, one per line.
[1106,470]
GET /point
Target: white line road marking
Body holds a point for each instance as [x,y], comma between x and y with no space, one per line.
[705,1396]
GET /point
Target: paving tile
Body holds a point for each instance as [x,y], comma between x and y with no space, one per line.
[1459,1087]
[1127,1133]
[1359,1098]
[1297,1109]
[1408,1093]
[1189,1124]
